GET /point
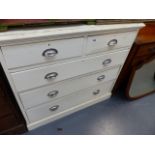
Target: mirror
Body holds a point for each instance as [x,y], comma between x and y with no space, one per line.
[142,81]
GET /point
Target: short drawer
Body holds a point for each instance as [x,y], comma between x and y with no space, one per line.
[37,77]
[66,103]
[30,54]
[102,43]
[54,91]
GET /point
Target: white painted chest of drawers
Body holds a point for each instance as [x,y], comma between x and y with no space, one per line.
[54,72]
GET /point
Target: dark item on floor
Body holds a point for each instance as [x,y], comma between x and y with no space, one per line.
[11,119]
[142,52]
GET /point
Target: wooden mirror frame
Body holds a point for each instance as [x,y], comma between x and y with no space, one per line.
[134,69]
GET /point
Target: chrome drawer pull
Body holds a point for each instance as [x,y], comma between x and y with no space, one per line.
[53,93]
[96,92]
[54,108]
[100,78]
[112,42]
[51,76]
[50,52]
[106,62]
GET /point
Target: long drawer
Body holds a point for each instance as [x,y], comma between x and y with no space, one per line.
[54,91]
[101,43]
[68,102]
[37,77]
[29,54]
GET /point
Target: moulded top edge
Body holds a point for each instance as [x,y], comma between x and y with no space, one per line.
[63,30]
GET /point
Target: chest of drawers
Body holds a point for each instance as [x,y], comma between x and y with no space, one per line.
[54,72]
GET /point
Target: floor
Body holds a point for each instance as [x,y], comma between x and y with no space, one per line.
[115,116]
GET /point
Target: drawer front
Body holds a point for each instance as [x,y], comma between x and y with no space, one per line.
[101,43]
[6,109]
[53,73]
[68,102]
[146,50]
[54,91]
[30,54]
[8,122]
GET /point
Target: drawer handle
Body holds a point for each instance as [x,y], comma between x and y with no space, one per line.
[112,42]
[53,93]
[100,78]
[50,52]
[51,76]
[96,92]
[106,62]
[54,108]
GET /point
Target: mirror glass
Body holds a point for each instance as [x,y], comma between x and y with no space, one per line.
[143,80]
